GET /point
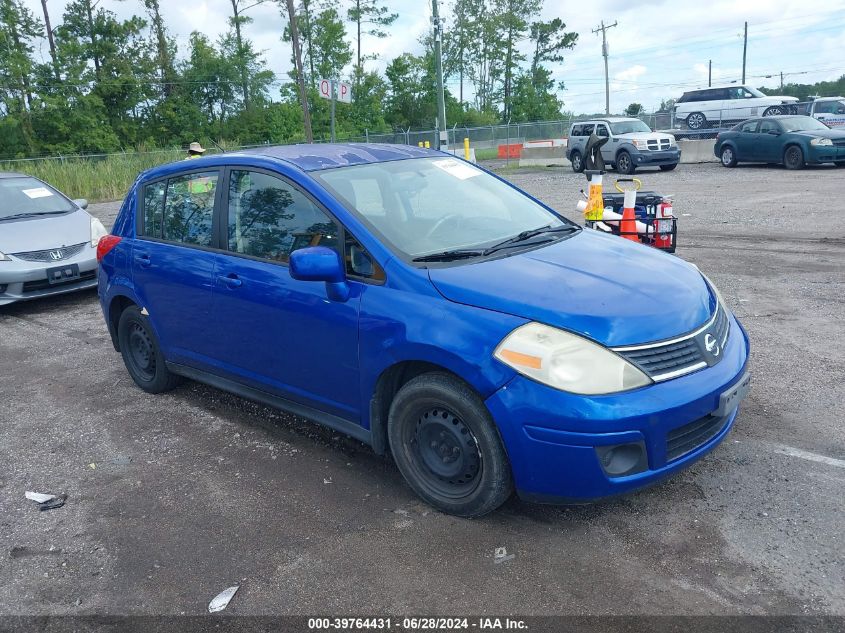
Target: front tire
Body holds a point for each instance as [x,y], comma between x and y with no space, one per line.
[793,157]
[696,121]
[728,157]
[447,446]
[577,162]
[668,167]
[142,353]
[774,111]
[624,163]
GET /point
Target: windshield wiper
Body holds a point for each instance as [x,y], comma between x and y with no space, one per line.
[446,256]
[17,216]
[527,235]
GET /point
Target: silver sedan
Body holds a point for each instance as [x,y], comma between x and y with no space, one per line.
[48,243]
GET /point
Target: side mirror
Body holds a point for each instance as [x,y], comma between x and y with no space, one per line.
[318,263]
[82,203]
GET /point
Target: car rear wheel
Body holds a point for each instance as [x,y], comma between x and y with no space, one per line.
[774,111]
[793,157]
[624,163]
[668,167]
[728,157]
[447,446]
[696,121]
[142,353]
[577,162]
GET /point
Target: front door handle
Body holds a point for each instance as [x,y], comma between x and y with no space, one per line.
[231,280]
[143,260]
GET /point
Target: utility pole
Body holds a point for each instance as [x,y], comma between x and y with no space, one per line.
[603,30]
[438,69]
[333,88]
[781,80]
[300,74]
[744,50]
[710,74]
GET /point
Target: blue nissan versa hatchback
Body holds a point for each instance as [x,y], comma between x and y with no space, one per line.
[429,309]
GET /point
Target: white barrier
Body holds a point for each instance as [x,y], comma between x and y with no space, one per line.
[698,151]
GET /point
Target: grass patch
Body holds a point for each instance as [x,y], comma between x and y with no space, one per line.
[95,179]
[486,153]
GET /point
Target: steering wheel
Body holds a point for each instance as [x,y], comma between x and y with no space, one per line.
[439,224]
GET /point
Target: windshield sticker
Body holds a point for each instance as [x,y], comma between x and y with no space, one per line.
[40,192]
[459,170]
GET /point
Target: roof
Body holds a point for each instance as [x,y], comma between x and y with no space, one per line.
[311,157]
[11,174]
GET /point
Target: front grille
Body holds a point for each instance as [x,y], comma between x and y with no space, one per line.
[662,144]
[44,284]
[839,142]
[51,254]
[689,437]
[662,361]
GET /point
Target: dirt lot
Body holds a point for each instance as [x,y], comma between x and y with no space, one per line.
[173,498]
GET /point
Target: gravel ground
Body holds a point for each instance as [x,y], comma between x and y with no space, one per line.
[172,498]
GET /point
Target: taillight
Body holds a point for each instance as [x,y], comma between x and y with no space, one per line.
[104,246]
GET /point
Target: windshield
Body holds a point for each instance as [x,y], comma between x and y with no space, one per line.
[26,196]
[431,205]
[802,124]
[754,91]
[629,127]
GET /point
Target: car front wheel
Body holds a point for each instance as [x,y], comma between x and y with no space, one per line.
[142,353]
[728,157]
[577,162]
[773,111]
[447,446]
[624,163]
[696,121]
[793,157]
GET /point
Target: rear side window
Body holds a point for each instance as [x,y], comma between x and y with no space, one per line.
[269,218]
[577,130]
[153,208]
[189,208]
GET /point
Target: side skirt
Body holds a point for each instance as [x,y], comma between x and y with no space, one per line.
[339,424]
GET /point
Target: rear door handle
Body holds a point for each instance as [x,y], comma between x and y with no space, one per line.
[231,280]
[143,260]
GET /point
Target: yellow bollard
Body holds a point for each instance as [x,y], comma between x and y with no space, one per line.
[421,144]
[466,148]
[428,144]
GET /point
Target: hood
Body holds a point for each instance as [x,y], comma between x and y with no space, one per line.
[781,98]
[646,136]
[831,134]
[45,232]
[600,286]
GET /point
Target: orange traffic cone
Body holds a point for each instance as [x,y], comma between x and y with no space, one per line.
[628,225]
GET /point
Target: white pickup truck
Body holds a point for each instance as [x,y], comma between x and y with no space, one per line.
[829,110]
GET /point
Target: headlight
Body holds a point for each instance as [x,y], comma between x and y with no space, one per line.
[567,362]
[97,231]
[672,141]
[821,141]
[4,257]
[640,144]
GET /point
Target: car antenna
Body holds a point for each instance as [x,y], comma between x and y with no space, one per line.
[217,145]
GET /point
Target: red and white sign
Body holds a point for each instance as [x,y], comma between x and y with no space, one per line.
[343,90]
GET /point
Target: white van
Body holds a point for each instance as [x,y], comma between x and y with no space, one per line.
[718,105]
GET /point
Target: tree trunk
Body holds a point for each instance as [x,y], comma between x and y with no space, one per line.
[241,60]
[94,47]
[358,16]
[50,39]
[164,62]
[297,58]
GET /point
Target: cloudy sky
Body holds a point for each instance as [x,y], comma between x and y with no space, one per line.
[659,48]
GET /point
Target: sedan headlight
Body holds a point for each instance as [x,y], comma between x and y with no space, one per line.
[567,362]
[97,231]
[821,142]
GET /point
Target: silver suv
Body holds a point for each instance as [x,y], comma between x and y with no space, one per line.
[632,144]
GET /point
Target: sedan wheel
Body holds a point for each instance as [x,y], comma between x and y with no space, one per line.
[728,157]
[793,157]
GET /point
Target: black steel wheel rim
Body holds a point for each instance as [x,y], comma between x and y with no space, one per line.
[446,453]
[624,162]
[141,352]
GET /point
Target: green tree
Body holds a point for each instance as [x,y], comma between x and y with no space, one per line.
[369,18]
[18,28]
[634,109]
[512,26]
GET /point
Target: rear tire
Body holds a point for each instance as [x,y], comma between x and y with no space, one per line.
[774,111]
[728,156]
[696,121]
[668,167]
[624,163]
[793,157]
[577,162]
[142,353]
[447,446]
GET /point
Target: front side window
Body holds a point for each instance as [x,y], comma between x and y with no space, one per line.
[269,218]
[749,128]
[601,131]
[431,205]
[189,208]
[768,126]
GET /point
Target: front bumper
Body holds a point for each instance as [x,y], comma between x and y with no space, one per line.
[825,154]
[21,280]
[551,436]
[663,157]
